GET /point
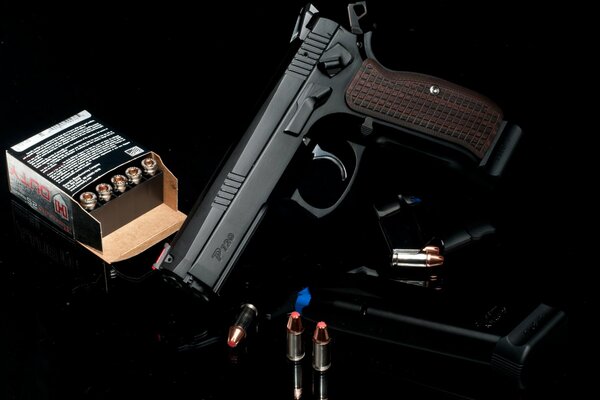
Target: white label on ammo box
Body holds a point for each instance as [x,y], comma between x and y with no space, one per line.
[75,152]
[25,144]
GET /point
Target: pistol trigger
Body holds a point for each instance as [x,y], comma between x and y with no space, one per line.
[320,154]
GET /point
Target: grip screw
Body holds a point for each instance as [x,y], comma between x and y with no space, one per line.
[434,90]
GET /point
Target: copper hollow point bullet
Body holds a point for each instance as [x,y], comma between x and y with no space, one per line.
[119,182]
[88,200]
[134,174]
[104,191]
[321,351]
[428,257]
[431,250]
[238,330]
[295,346]
[150,166]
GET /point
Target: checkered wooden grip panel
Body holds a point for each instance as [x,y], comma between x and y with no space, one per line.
[425,104]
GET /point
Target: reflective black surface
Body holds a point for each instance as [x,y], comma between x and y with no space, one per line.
[186,85]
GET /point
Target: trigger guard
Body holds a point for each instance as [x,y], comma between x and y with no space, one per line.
[321,212]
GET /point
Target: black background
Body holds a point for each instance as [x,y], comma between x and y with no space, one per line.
[185,83]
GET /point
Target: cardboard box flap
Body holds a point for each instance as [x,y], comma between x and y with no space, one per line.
[140,234]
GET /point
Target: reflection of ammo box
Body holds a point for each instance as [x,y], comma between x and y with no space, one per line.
[51,170]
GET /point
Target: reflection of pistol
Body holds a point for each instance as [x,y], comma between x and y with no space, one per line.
[333,71]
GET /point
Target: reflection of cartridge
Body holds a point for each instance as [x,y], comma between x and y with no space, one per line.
[238,330]
[429,256]
[295,346]
[88,200]
[150,166]
[119,183]
[104,191]
[321,351]
[320,386]
[433,282]
[297,379]
[134,174]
